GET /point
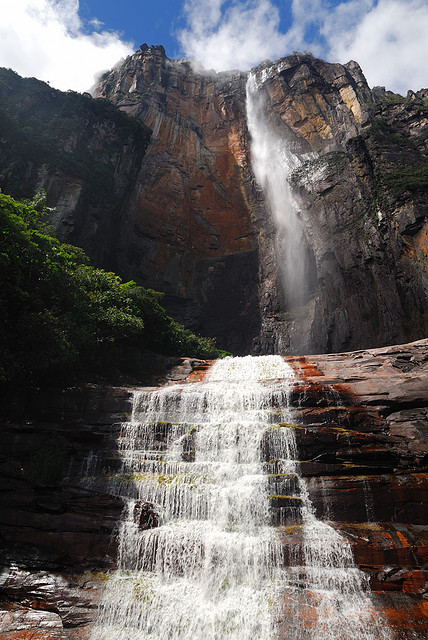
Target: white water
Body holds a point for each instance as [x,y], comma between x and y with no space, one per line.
[273,163]
[214,569]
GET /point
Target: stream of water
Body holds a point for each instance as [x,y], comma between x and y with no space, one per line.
[218,460]
[273,164]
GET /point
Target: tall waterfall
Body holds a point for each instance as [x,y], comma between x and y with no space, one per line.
[217,459]
[273,163]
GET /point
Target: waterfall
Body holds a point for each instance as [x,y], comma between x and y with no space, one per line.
[273,163]
[213,465]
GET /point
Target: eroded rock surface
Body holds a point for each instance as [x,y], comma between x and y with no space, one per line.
[58,517]
[58,532]
[361,428]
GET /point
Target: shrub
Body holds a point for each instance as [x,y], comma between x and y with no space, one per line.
[58,311]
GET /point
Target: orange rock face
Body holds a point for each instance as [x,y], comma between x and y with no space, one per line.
[190,208]
[197,225]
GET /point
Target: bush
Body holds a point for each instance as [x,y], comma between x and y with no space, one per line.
[57,311]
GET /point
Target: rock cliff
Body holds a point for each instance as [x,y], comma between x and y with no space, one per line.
[200,229]
[187,216]
[83,152]
[190,230]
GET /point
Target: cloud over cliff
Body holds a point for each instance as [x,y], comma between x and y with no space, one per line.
[389,40]
[47,38]
[240,36]
[387,37]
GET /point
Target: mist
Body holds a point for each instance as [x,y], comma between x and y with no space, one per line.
[273,163]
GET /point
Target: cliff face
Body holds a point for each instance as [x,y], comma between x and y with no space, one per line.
[191,230]
[199,227]
[188,217]
[364,205]
[83,152]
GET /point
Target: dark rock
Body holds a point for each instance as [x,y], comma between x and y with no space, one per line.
[30,556]
[145,515]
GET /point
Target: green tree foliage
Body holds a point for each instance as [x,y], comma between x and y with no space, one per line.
[58,312]
[41,126]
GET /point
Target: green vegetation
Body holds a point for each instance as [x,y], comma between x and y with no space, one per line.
[411,166]
[410,178]
[59,314]
[143,588]
[381,130]
[42,126]
[396,98]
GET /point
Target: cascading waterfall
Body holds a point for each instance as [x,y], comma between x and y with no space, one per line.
[208,455]
[211,570]
[273,163]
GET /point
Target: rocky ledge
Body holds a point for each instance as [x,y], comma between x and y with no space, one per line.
[362,434]
[361,423]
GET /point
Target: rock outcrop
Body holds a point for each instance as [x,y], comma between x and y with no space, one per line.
[57,532]
[85,154]
[362,438]
[58,522]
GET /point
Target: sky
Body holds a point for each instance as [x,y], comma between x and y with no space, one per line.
[69,43]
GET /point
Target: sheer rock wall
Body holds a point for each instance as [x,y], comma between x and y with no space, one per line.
[199,228]
[186,216]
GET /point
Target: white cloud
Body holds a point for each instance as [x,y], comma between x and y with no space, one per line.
[390,42]
[47,39]
[387,37]
[240,37]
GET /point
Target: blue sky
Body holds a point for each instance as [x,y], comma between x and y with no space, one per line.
[151,21]
[154,22]
[71,42]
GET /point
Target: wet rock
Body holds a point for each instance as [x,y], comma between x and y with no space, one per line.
[19,622]
[31,556]
[362,441]
[145,515]
[47,606]
[360,425]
